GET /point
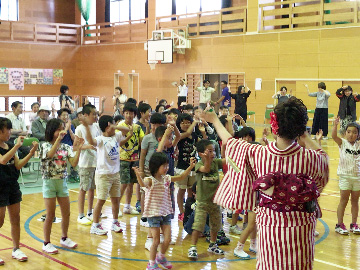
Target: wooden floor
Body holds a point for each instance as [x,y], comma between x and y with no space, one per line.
[126,250]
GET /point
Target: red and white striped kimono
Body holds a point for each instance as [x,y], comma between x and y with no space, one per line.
[286,239]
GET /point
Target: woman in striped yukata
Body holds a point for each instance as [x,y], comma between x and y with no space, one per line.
[289,179]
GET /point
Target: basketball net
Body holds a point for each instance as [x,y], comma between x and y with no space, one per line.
[153,64]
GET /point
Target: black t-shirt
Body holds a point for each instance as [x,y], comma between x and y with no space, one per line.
[8,172]
[187,150]
[240,101]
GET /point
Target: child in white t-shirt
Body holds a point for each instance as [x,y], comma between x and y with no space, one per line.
[87,164]
[107,177]
[348,172]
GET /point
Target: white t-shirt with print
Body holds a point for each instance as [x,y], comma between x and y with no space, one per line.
[108,155]
[349,163]
[87,157]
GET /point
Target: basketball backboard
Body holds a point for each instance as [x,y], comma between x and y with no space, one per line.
[160,50]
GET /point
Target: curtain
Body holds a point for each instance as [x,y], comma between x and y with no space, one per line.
[84,7]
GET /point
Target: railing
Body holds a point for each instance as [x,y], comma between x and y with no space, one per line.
[217,22]
[119,32]
[40,32]
[305,14]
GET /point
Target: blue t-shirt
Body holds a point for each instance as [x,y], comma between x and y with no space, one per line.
[225,93]
[67,138]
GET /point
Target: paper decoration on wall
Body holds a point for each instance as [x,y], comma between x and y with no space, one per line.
[48,76]
[34,76]
[16,79]
[4,76]
[57,76]
[258,82]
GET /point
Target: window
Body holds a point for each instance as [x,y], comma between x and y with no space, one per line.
[95,101]
[2,104]
[28,102]
[49,101]
[92,16]
[164,7]
[119,11]
[210,5]
[137,9]
[13,99]
[9,10]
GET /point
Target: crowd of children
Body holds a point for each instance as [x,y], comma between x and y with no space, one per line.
[184,146]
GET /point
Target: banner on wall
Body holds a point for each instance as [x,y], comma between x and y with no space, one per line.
[57,76]
[34,76]
[4,75]
[48,76]
[16,79]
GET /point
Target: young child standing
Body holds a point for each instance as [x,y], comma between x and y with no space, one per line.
[348,172]
[158,211]
[54,156]
[10,194]
[87,164]
[207,176]
[107,178]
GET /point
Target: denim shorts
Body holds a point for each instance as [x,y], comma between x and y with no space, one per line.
[155,222]
[53,188]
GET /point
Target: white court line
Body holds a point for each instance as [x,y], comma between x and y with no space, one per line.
[333,264]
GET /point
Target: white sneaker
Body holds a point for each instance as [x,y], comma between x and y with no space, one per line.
[316,233]
[148,243]
[120,213]
[253,249]
[240,253]
[19,255]
[2,262]
[172,242]
[130,211]
[90,216]
[68,243]
[162,238]
[98,230]
[325,138]
[116,227]
[144,223]
[235,229]
[84,221]
[50,249]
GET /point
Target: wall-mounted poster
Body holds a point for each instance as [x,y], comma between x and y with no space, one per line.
[57,76]
[48,76]
[4,75]
[34,76]
[16,79]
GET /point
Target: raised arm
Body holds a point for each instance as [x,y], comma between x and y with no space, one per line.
[186,172]
[207,162]
[275,96]
[19,163]
[189,130]
[334,132]
[220,129]
[78,143]
[55,146]
[4,159]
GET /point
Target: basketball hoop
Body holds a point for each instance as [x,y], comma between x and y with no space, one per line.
[152,64]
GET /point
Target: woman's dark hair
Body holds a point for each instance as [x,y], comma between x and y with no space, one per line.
[240,88]
[158,118]
[35,103]
[245,131]
[283,87]
[104,122]
[182,117]
[349,88]
[160,131]
[63,88]
[118,118]
[157,108]
[142,108]
[355,125]
[174,111]
[59,112]
[130,107]
[52,126]
[206,81]
[322,85]
[156,160]
[162,101]
[202,144]
[5,123]
[119,88]
[292,118]
[132,100]
[223,120]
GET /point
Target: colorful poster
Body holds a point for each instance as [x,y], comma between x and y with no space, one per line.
[48,76]
[57,76]
[33,76]
[4,76]
[16,79]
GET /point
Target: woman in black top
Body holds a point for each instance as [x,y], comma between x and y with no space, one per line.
[347,106]
[240,102]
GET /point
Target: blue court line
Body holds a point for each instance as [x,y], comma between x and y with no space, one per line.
[27,229]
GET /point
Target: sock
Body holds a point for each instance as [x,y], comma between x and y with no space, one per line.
[212,243]
[45,243]
[114,221]
[15,249]
[95,224]
[63,238]
[161,256]
[151,262]
[89,212]
[81,215]
[253,242]
[193,246]
[127,206]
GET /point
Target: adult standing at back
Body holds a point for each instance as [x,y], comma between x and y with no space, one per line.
[182,92]
[241,102]
[282,95]
[321,116]
[347,106]
[119,99]
[225,95]
[18,126]
[205,92]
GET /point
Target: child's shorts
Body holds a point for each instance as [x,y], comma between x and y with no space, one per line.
[53,188]
[188,182]
[9,193]
[107,184]
[127,174]
[349,183]
[202,209]
[87,178]
[156,222]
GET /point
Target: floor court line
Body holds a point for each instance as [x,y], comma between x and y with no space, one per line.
[43,254]
[6,248]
